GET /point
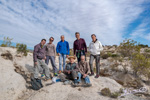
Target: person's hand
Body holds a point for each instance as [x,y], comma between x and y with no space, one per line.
[58,54]
[45,58]
[68,72]
[35,63]
[84,75]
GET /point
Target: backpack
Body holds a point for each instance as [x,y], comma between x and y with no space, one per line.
[36,84]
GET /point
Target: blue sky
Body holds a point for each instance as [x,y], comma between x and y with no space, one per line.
[28,21]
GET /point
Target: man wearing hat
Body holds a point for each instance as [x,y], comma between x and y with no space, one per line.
[95,47]
[71,70]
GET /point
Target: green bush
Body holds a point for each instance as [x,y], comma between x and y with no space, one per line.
[3,45]
[6,42]
[128,47]
[142,45]
[140,64]
[105,56]
[106,92]
[147,50]
[22,48]
[114,55]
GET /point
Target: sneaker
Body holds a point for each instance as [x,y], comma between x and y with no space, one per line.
[75,83]
[91,74]
[55,74]
[97,76]
[42,75]
[59,72]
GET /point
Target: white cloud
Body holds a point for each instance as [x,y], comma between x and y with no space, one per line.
[142,30]
[28,21]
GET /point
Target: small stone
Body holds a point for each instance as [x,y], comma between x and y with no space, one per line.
[79,89]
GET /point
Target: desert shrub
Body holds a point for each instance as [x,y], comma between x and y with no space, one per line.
[22,48]
[128,47]
[7,55]
[115,46]
[106,92]
[140,64]
[71,52]
[147,50]
[105,56]
[142,45]
[115,94]
[88,54]
[6,42]
[114,55]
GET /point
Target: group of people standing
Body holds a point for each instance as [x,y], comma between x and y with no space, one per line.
[72,70]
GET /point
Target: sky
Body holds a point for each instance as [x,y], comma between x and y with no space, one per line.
[28,21]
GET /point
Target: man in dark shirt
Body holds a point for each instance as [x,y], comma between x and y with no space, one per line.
[79,46]
[39,57]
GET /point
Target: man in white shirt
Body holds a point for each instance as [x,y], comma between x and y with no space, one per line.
[95,47]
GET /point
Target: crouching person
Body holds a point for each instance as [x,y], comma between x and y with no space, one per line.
[84,71]
[39,60]
[71,71]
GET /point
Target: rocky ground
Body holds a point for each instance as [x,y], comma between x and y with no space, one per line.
[15,72]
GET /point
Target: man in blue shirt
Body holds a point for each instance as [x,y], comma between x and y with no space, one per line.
[63,52]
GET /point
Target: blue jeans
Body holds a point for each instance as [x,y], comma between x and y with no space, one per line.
[62,56]
[87,80]
[52,59]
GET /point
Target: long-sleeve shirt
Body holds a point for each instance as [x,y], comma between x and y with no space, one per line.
[71,67]
[63,48]
[50,50]
[39,52]
[95,47]
[79,45]
[83,67]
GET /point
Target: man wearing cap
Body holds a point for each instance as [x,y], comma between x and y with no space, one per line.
[51,54]
[63,52]
[39,60]
[79,46]
[84,70]
[95,47]
[71,70]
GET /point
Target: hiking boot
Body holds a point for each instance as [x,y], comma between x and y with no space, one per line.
[55,74]
[91,74]
[88,85]
[59,72]
[97,76]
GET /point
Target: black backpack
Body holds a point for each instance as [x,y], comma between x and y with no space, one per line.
[36,84]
